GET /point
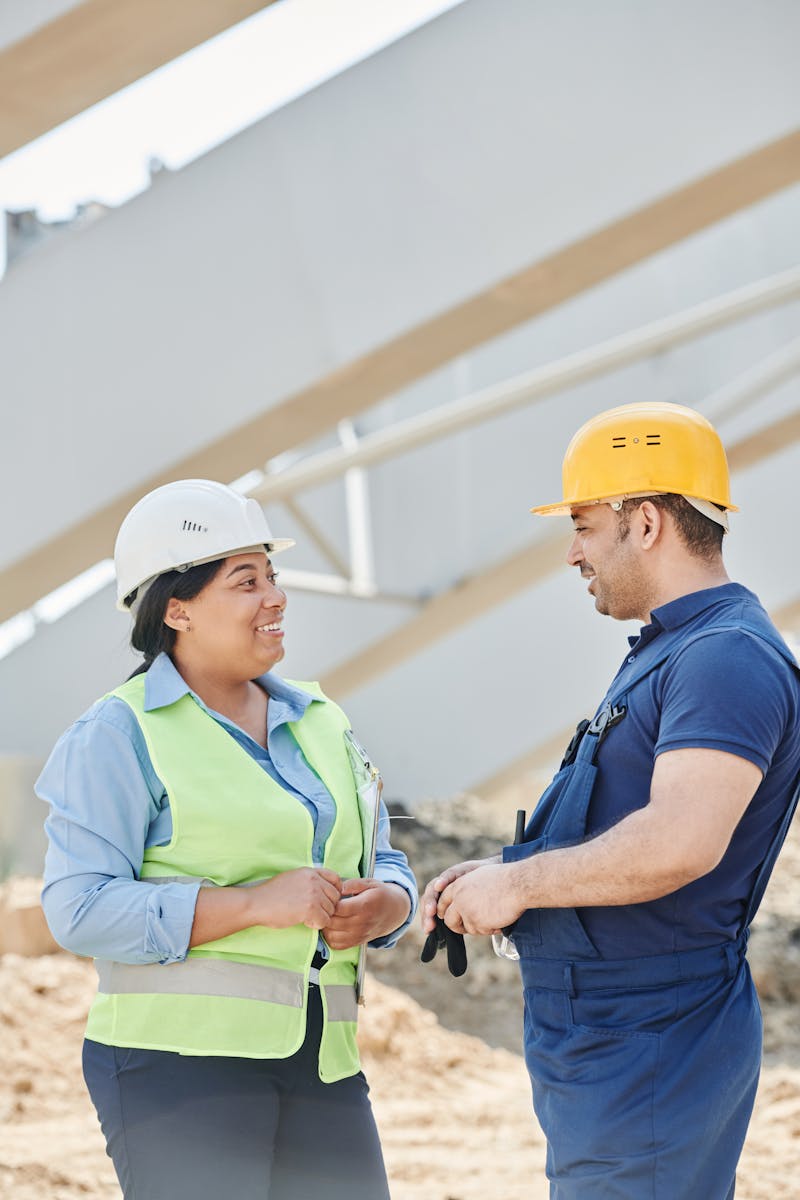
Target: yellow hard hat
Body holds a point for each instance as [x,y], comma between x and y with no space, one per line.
[641,450]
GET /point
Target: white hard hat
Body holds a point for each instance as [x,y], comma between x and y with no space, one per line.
[185,523]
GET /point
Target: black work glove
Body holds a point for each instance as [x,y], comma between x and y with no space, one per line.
[443,936]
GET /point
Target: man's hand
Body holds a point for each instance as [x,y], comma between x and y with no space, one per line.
[430,897]
[367,909]
[482,901]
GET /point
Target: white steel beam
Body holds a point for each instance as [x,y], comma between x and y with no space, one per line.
[543,381]
[336,585]
[372,268]
[761,378]
[359,526]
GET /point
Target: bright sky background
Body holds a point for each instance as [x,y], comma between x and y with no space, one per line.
[176,114]
[194,103]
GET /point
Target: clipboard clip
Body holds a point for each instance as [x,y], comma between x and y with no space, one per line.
[359,757]
[369,787]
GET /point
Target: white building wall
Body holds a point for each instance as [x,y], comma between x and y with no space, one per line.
[474,146]
[388,195]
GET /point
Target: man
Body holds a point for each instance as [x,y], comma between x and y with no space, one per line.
[647,856]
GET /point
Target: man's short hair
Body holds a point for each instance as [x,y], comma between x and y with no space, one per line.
[701,536]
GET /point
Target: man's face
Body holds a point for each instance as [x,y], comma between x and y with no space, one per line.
[605,555]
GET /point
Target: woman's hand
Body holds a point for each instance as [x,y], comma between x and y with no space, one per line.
[367,909]
[430,897]
[306,896]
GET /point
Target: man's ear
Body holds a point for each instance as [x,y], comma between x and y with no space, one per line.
[176,615]
[651,524]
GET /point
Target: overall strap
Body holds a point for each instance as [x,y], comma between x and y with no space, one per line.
[589,735]
[677,640]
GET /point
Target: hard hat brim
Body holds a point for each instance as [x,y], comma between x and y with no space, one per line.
[563,508]
[559,509]
[272,547]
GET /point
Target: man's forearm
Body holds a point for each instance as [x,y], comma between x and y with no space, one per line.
[628,864]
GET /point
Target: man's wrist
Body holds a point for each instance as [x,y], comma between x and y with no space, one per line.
[520,882]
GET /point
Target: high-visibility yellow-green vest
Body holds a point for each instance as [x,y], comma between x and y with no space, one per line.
[244,995]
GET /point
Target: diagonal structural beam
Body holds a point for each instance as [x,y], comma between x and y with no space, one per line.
[97,48]
[768,440]
[456,606]
[764,377]
[466,600]
[418,351]
[570,371]
[788,616]
[540,758]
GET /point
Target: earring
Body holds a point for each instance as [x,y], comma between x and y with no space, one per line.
[188,627]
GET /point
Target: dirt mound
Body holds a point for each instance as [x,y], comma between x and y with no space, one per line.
[454,1113]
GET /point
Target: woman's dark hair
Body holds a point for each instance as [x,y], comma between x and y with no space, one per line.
[150,636]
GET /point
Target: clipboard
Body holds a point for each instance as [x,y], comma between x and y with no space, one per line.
[369,787]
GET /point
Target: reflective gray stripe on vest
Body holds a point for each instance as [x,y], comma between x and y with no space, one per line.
[340,1000]
[214,977]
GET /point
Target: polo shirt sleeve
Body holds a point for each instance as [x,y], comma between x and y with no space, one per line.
[103,797]
[726,690]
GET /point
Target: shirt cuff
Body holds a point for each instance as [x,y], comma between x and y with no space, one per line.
[391,939]
[169,917]
[522,851]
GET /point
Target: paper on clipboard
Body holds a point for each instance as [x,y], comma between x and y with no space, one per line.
[369,786]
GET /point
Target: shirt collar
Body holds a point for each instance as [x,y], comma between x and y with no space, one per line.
[164,685]
[686,608]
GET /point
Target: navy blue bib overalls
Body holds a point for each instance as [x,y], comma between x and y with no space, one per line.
[644,1070]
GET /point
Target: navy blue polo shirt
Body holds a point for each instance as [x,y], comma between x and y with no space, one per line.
[730,690]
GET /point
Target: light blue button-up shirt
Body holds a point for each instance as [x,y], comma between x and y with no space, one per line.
[107,805]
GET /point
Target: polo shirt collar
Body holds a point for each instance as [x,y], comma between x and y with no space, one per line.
[686,608]
[164,685]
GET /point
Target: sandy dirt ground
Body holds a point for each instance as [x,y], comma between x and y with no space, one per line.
[485,1142]
[486,1145]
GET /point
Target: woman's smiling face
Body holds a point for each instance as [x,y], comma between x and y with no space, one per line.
[236,621]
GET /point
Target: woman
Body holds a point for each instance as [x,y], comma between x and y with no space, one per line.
[204,848]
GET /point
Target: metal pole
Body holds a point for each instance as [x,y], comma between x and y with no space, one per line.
[754,383]
[543,381]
